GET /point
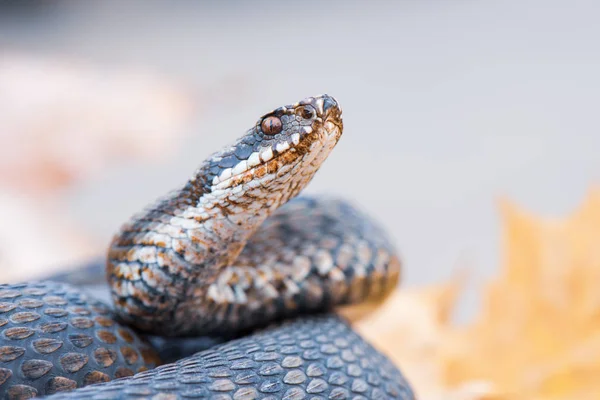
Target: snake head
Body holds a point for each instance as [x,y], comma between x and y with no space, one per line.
[290,124]
[281,152]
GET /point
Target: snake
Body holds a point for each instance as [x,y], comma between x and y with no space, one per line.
[234,254]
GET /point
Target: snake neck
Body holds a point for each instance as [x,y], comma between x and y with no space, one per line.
[206,226]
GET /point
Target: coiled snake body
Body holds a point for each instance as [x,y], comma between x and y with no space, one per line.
[233,250]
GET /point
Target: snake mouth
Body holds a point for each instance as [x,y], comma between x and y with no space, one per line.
[333,127]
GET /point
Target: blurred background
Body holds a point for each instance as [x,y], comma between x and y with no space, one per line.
[448,107]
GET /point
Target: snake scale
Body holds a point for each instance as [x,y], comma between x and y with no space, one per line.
[232,254]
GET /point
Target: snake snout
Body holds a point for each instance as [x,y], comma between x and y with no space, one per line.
[329,104]
[331,108]
[331,112]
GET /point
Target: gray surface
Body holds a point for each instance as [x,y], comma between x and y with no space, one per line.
[447,104]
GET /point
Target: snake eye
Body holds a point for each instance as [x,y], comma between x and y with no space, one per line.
[271,125]
[306,112]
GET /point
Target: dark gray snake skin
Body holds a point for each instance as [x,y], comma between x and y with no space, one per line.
[228,254]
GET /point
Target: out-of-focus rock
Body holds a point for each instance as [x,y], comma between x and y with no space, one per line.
[60,123]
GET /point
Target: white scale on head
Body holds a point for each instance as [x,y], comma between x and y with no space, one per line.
[223,180]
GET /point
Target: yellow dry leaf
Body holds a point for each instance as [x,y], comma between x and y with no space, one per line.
[411,328]
[538,336]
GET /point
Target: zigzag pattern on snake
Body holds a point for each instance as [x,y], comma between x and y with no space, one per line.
[229,253]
